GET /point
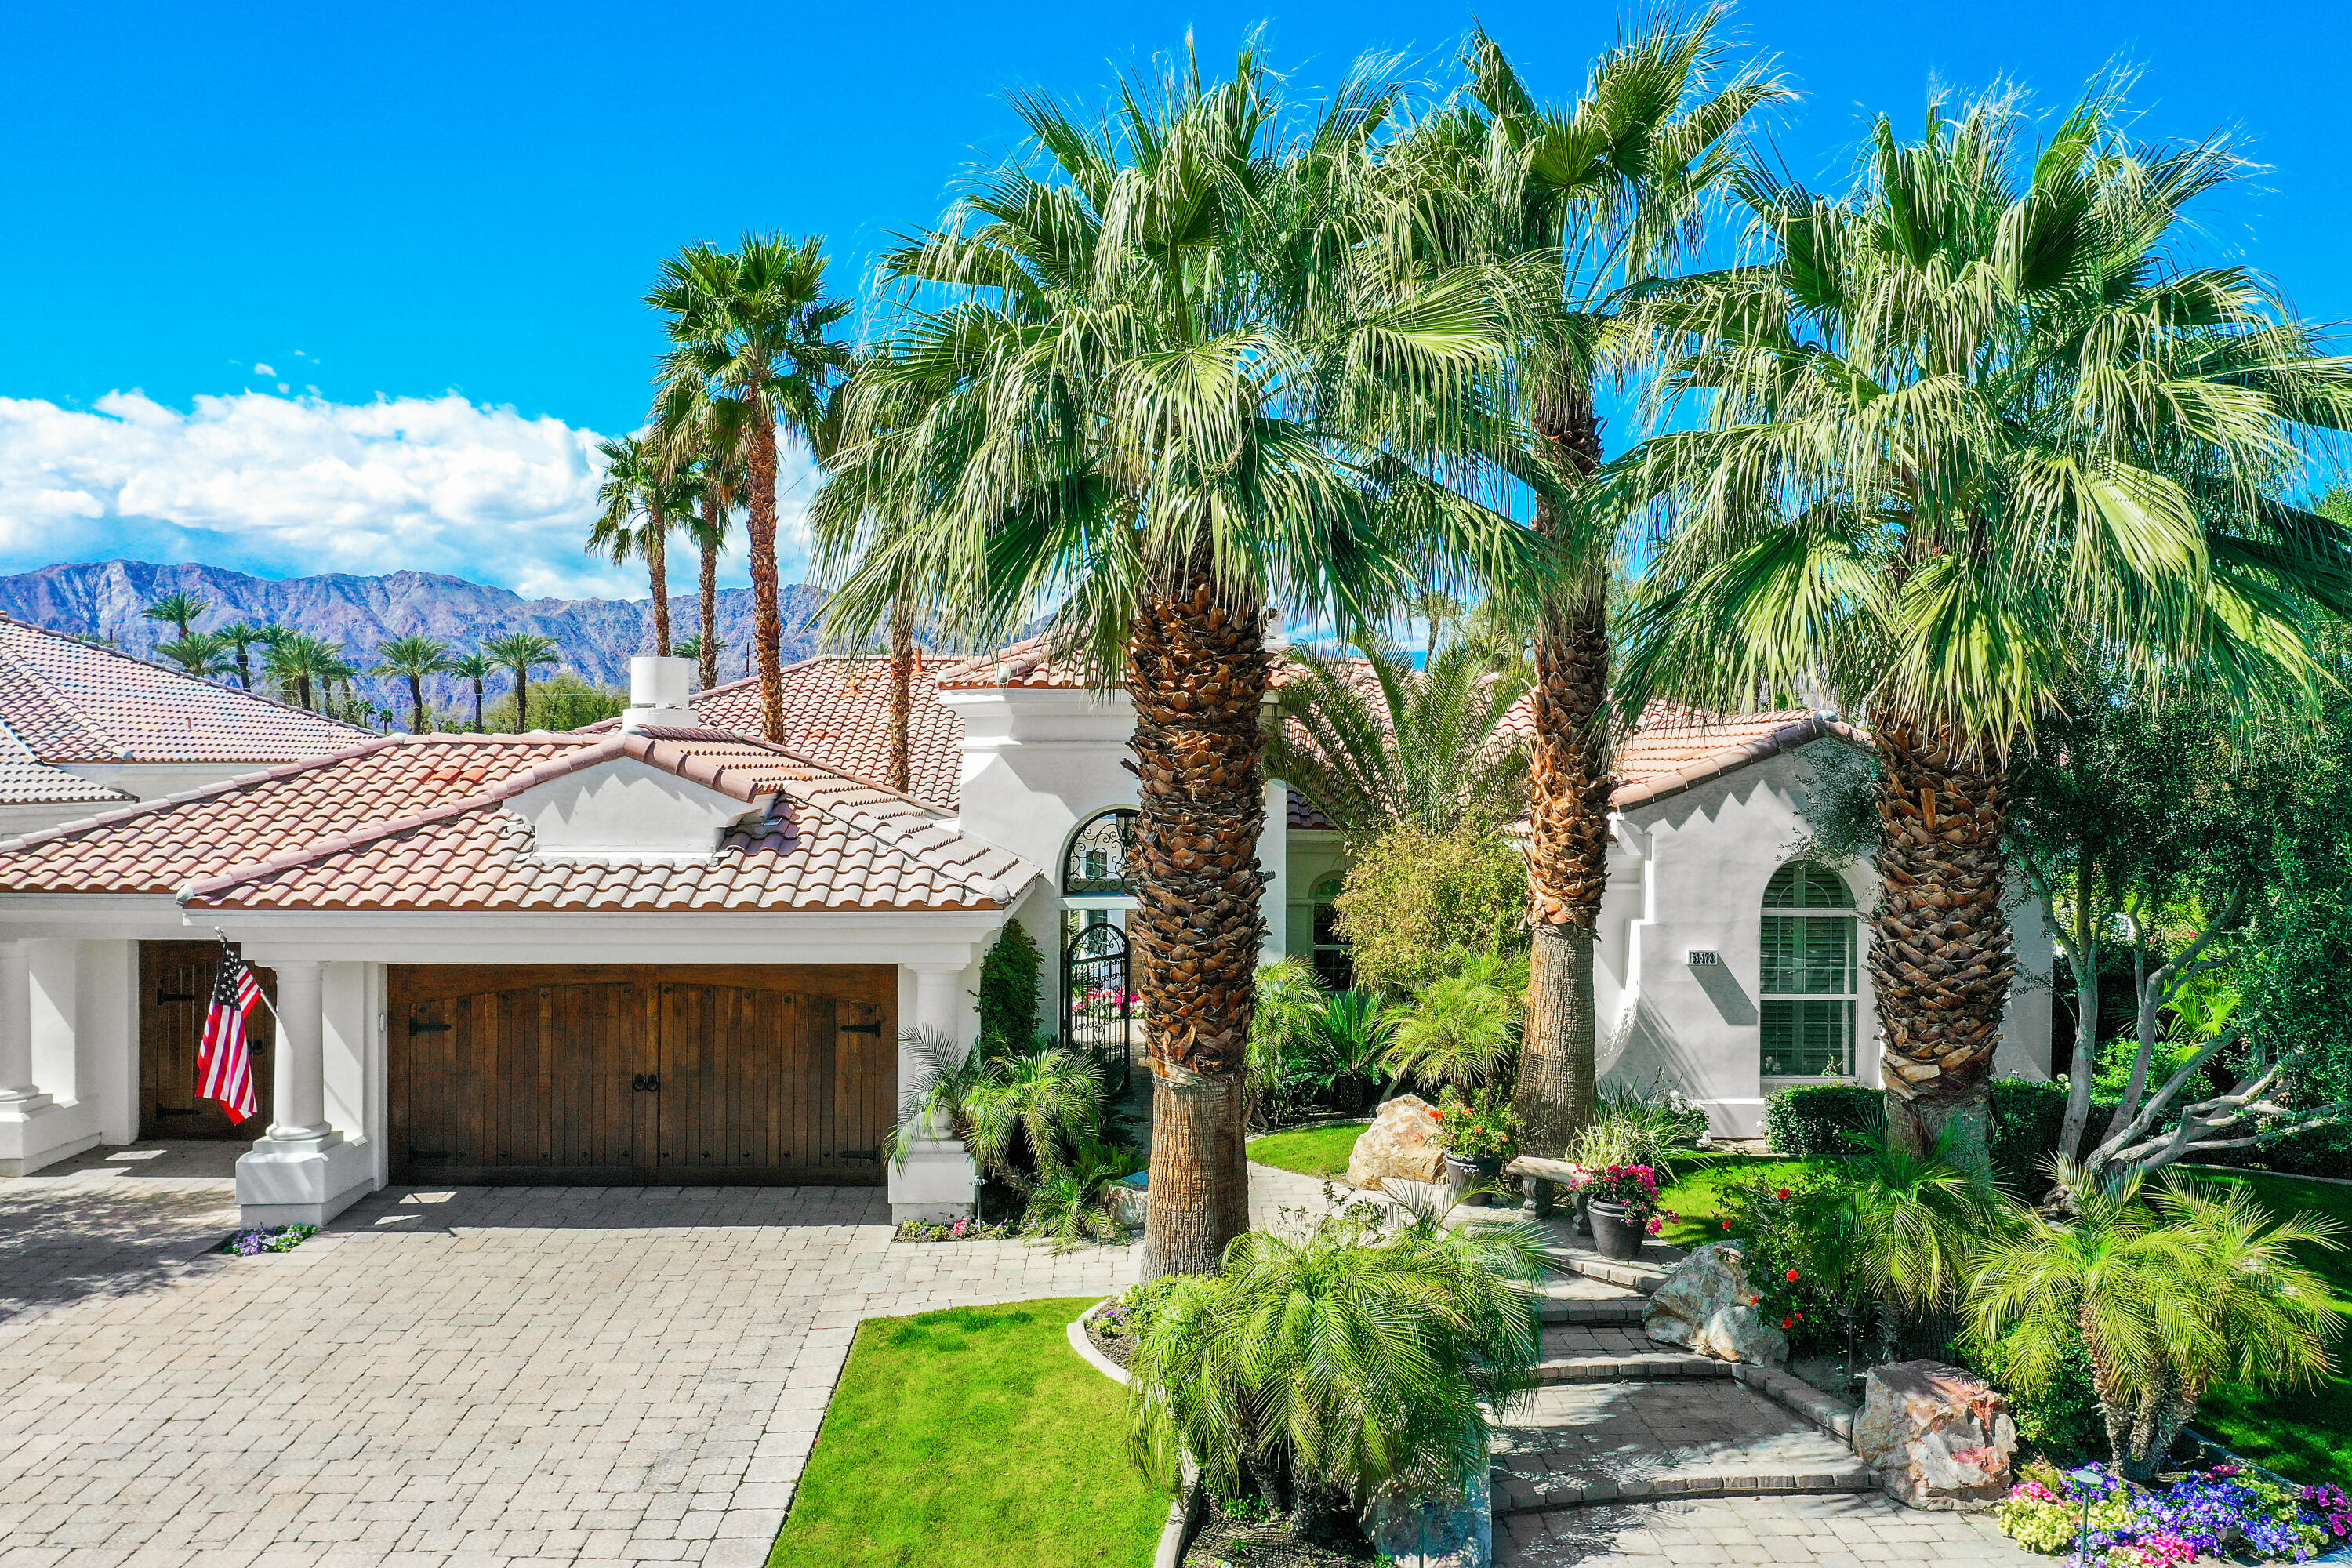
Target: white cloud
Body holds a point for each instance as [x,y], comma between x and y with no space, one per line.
[263,370]
[293,486]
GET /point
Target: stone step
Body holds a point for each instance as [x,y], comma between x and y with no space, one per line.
[1606,1352]
[1574,1297]
[1547,1494]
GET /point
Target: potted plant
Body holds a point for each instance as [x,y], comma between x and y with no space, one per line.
[1622,1202]
[1476,1140]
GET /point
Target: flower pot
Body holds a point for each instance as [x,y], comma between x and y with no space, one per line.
[1617,1231]
[1465,1176]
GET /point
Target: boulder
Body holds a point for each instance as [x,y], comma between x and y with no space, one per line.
[1939,1436]
[1401,1142]
[1706,1306]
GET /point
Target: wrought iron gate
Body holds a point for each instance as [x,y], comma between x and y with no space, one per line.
[1099,1001]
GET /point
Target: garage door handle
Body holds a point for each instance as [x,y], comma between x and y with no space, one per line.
[645,1082]
[163,996]
[419,1026]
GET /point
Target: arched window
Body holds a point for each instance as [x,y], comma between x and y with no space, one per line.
[1095,862]
[1337,970]
[1809,992]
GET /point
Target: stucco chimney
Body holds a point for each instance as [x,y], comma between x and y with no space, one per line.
[658,689]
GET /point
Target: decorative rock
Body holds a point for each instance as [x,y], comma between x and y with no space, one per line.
[1401,1142]
[1706,1304]
[1130,1203]
[1438,1532]
[1939,1436]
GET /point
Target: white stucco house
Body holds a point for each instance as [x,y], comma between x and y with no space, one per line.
[658,950]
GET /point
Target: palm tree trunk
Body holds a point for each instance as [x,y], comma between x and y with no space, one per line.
[657,569]
[522,698]
[244,668]
[714,523]
[1939,954]
[1197,675]
[478,704]
[767,626]
[416,704]
[902,694]
[1567,804]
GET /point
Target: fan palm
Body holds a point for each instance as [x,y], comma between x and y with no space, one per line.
[1378,744]
[304,666]
[643,495]
[2168,1297]
[243,636]
[520,653]
[1969,429]
[1154,378]
[199,653]
[412,658]
[179,611]
[748,327]
[474,669]
[1341,1363]
[1610,187]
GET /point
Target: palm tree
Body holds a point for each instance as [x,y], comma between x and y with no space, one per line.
[518,652]
[179,611]
[2170,1297]
[243,635]
[1340,1363]
[643,495]
[1378,744]
[1156,381]
[305,666]
[749,326]
[413,657]
[704,434]
[474,669]
[1610,187]
[1969,430]
[199,653]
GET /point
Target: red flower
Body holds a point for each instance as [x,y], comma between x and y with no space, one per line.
[1788,1322]
[1726,1225]
[1784,1195]
[1793,1276]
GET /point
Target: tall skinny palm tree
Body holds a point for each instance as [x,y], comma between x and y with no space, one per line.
[749,326]
[1609,187]
[199,653]
[306,667]
[1157,379]
[181,612]
[413,657]
[243,636]
[1973,427]
[644,497]
[702,434]
[520,653]
[474,669]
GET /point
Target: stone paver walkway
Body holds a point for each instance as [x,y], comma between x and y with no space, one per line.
[1835,1532]
[476,1377]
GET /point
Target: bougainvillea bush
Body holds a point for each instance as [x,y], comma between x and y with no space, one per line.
[2222,1511]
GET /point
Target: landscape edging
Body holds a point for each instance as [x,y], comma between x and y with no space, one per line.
[1189,1511]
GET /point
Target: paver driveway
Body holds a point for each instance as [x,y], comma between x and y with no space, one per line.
[478,1376]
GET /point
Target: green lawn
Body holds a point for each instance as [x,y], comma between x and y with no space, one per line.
[1309,1151]
[972,1438]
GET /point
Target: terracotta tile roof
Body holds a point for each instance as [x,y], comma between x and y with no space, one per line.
[1039,663]
[1674,749]
[421,823]
[837,710]
[72,701]
[26,780]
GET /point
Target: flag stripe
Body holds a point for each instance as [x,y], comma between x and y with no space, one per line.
[224,1053]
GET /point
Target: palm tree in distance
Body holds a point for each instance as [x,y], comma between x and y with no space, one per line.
[243,636]
[411,659]
[706,434]
[520,652]
[1609,187]
[305,667]
[1974,424]
[203,654]
[1164,375]
[643,497]
[179,611]
[474,669]
[749,326]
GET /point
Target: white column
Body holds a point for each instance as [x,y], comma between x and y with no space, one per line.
[937,999]
[17,1093]
[1273,854]
[936,1179]
[301,1107]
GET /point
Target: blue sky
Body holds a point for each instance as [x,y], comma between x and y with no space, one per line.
[331,206]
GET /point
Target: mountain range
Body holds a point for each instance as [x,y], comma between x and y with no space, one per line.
[593,637]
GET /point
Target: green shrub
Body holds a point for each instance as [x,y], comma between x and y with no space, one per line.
[2060,1421]
[1820,1120]
[1009,981]
[1414,900]
[1795,1227]
[2026,1117]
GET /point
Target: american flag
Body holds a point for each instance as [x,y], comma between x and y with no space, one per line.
[224,1055]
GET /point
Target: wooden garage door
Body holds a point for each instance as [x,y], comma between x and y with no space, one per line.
[610,1075]
[176,989]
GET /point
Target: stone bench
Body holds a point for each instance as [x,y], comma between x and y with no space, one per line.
[1541,1180]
